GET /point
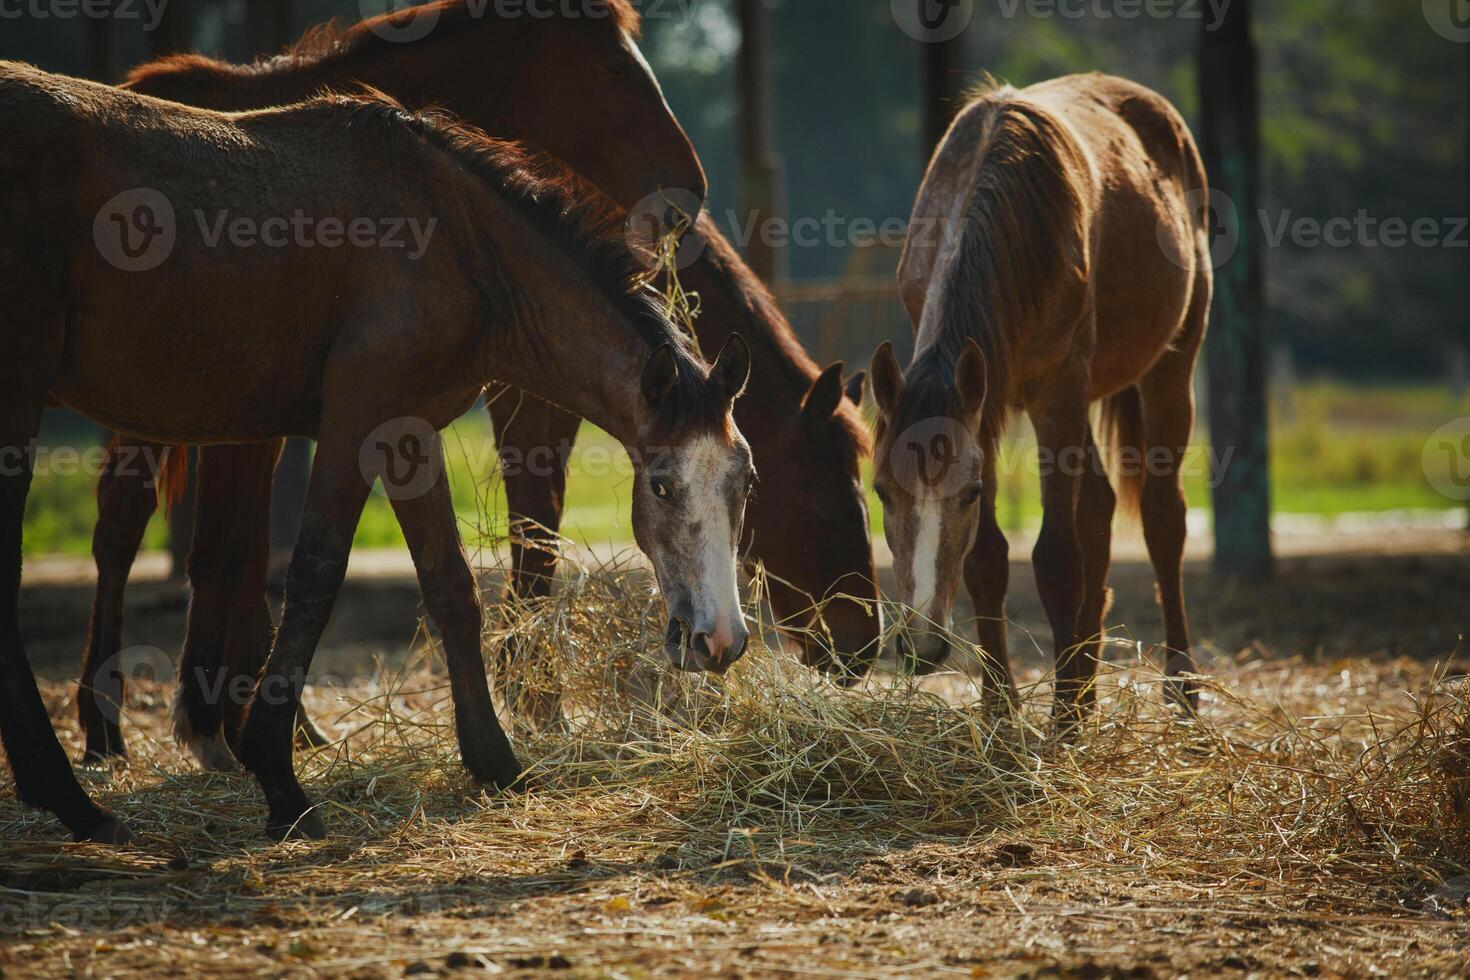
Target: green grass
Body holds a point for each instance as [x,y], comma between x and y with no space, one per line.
[1336,449]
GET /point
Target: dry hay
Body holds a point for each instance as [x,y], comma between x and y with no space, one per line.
[771,822]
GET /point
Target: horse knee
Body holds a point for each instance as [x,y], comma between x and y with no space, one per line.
[454,604]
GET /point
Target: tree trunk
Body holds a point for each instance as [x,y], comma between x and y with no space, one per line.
[104,59]
[761,172]
[174,32]
[268,26]
[1236,350]
[944,87]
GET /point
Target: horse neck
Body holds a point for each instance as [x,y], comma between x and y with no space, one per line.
[553,331]
[733,300]
[427,73]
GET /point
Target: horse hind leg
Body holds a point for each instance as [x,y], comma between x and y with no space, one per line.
[126,500]
[987,578]
[535,440]
[1168,419]
[1096,503]
[223,578]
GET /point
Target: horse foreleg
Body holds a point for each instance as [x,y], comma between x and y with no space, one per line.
[452,599]
[43,776]
[1060,419]
[987,578]
[335,497]
[127,496]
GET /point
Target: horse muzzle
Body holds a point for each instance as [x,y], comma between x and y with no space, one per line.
[704,650]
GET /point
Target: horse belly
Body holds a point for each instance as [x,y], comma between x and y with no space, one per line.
[1141,293]
[155,358]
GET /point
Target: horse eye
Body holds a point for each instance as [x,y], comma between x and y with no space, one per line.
[660,488]
[973,492]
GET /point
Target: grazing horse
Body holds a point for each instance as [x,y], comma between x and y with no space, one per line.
[368,348]
[573,83]
[808,521]
[1057,256]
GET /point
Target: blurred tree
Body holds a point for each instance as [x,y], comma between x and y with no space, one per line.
[174,31]
[1236,349]
[268,26]
[104,54]
[945,63]
[761,183]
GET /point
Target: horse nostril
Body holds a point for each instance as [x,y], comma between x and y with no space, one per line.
[700,644]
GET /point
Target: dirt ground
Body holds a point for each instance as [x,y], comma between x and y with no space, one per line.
[1297,837]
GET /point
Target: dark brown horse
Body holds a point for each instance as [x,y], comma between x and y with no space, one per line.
[1057,257]
[368,347]
[573,83]
[808,522]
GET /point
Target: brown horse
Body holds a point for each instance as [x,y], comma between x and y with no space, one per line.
[366,347]
[1057,257]
[808,521]
[573,83]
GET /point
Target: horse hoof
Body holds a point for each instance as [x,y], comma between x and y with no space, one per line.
[308,736]
[111,831]
[103,757]
[504,777]
[308,826]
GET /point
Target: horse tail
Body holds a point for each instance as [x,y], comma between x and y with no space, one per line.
[173,478]
[1125,445]
[171,481]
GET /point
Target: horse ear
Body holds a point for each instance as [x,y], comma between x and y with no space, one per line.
[659,376]
[823,397]
[887,378]
[732,369]
[969,378]
[854,390]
